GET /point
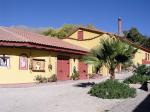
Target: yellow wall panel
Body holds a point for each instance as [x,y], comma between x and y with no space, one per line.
[88,44]
[138,57]
[14,75]
[86,35]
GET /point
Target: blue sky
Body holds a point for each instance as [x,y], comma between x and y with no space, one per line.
[102,13]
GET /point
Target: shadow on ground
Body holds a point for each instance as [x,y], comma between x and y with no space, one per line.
[144,106]
[84,85]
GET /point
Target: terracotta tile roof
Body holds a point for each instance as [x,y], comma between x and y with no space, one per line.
[9,34]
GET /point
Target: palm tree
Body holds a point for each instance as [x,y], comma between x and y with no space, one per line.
[92,59]
[110,53]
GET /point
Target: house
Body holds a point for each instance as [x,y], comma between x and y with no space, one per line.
[90,38]
[24,55]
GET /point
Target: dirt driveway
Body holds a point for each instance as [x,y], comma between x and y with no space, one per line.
[61,97]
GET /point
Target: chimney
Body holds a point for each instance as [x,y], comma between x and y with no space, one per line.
[120,26]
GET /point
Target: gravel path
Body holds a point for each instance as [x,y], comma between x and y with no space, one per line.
[59,97]
[130,105]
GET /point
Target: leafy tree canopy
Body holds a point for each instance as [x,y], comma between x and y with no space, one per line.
[63,31]
[91,26]
[147,43]
[135,36]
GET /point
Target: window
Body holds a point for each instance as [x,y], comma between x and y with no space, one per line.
[148,57]
[80,35]
[23,62]
[4,61]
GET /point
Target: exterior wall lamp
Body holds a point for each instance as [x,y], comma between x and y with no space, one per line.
[74,60]
[4,58]
[50,67]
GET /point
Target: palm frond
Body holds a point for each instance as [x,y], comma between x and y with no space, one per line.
[110,53]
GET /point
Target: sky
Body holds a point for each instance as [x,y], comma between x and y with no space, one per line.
[55,13]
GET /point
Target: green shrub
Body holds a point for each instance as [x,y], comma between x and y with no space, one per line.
[142,69]
[75,75]
[53,78]
[137,78]
[41,79]
[141,75]
[112,89]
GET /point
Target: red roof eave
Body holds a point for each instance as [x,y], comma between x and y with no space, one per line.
[38,46]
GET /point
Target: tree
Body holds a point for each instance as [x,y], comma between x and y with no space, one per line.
[110,53]
[66,30]
[61,32]
[50,32]
[147,43]
[90,26]
[92,59]
[134,35]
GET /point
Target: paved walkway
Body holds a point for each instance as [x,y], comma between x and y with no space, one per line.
[68,96]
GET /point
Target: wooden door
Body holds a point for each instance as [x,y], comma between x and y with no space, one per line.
[63,68]
[83,70]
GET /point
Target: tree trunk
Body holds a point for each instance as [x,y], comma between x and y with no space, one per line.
[112,74]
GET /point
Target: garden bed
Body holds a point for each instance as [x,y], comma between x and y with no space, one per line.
[112,89]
